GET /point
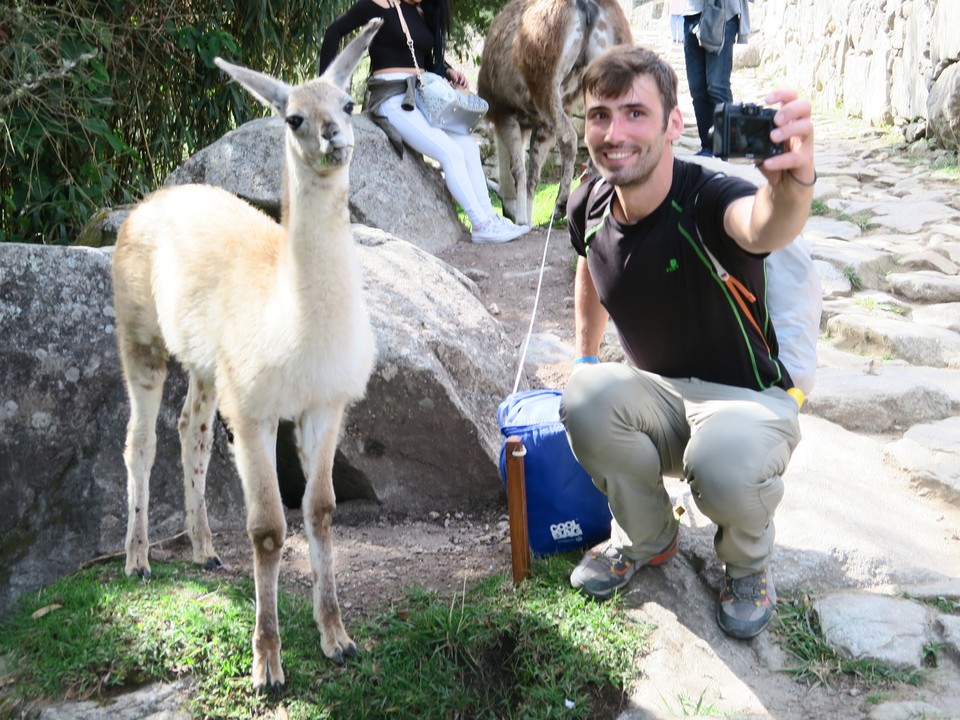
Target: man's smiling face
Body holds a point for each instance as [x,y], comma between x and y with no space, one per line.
[627,135]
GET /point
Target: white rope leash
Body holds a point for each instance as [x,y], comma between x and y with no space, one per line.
[536,299]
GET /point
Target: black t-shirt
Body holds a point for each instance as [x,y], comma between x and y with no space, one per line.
[389,45]
[675,316]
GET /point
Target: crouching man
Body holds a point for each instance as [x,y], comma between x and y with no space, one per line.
[674,255]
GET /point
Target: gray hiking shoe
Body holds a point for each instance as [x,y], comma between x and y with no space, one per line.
[604,569]
[747,604]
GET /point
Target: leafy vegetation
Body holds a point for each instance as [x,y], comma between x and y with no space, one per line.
[850,273]
[539,651]
[101,99]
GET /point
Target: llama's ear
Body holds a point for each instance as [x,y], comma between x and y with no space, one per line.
[268,90]
[342,68]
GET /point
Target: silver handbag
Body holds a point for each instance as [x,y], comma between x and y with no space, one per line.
[446,107]
[442,104]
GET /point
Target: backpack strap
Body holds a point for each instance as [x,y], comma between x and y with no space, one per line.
[590,229]
[737,289]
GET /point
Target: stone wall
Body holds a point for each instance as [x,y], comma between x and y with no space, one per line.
[887,61]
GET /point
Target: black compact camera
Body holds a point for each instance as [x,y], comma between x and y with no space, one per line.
[742,130]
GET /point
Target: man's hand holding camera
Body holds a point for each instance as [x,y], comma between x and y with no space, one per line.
[778,212]
[794,128]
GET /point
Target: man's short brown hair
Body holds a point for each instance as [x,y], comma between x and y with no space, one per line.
[612,74]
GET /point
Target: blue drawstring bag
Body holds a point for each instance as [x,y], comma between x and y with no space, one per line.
[565,511]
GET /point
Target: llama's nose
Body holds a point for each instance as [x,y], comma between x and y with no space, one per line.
[330,130]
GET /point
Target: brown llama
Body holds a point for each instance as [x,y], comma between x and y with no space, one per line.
[270,322]
[530,73]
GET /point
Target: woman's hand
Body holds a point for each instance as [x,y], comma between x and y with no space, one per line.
[458,79]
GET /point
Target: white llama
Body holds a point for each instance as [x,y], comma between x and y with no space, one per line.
[269,321]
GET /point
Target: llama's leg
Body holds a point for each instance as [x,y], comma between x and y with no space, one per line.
[318,434]
[513,170]
[541,141]
[196,443]
[567,140]
[255,447]
[144,369]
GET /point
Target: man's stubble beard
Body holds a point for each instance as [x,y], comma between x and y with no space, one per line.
[636,174]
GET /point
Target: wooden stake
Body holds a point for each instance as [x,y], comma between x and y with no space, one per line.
[517,509]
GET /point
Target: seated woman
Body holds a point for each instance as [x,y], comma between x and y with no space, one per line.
[392,68]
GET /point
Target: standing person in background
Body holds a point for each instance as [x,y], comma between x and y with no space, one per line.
[392,90]
[677,9]
[708,73]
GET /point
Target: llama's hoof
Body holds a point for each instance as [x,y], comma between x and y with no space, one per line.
[139,572]
[212,563]
[272,690]
[342,653]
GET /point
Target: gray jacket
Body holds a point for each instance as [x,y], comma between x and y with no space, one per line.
[732,8]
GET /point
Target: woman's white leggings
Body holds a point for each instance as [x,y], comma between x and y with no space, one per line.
[458,155]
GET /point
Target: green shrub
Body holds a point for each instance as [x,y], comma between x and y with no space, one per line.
[101,99]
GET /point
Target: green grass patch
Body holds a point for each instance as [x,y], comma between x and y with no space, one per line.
[684,705]
[543,203]
[869,304]
[817,663]
[943,604]
[538,651]
[850,273]
[819,208]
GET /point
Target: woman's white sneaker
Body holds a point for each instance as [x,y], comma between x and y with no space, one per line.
[507,222]
[494,231]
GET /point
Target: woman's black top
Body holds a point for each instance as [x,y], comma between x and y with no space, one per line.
[389,46]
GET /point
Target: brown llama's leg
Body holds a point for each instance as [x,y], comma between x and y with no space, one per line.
[144,370]
[318,434]
[196,443]
[513,170]
[567,141]
[541,142]
[254,446]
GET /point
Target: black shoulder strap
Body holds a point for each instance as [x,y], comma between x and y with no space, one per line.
[590,229]
[737,289]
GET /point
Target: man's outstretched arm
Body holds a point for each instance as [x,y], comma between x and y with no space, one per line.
[777,213]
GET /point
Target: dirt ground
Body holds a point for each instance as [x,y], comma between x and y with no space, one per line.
[377,557]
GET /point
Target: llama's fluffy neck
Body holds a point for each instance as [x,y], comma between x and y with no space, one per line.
[319,259]
[316,215]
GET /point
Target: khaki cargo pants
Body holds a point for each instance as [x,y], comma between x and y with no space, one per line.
[629,428]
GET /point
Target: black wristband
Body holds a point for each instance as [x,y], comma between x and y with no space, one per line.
[803,184]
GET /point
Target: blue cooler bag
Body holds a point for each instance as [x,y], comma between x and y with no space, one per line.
[565,511]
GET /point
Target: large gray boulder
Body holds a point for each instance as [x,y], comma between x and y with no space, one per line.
[425,435]
[405,197]
[427,430]
[63,415]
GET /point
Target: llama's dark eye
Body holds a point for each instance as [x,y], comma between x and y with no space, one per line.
[348,108]
[294,121]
